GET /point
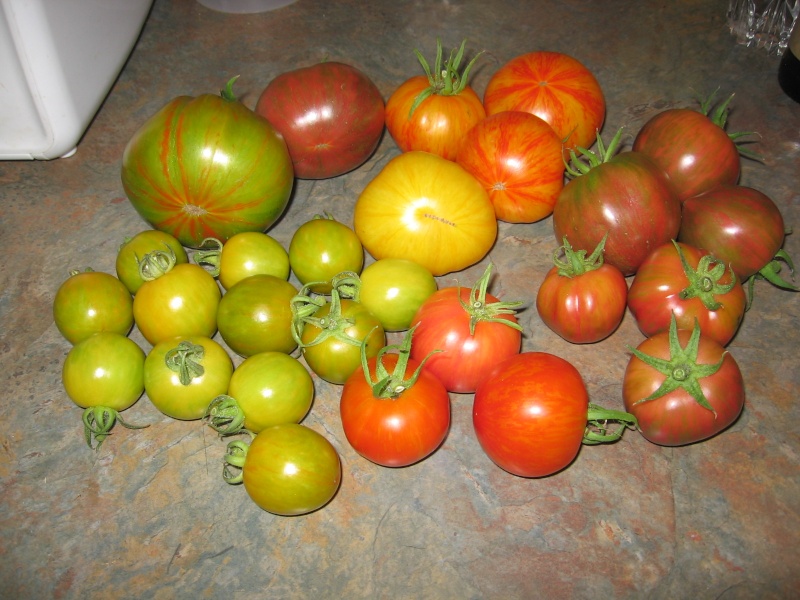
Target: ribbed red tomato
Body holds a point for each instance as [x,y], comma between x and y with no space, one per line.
[517,157]
[556,88]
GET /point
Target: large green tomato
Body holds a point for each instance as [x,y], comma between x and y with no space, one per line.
[393,289]
[207,167]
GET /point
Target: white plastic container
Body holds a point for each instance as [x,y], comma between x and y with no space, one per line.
[58,61]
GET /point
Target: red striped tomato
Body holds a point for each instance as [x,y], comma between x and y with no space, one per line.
[554,87]
[516,156]
[207,167]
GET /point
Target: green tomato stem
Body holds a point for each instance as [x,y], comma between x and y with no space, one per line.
[98,421]
[235,456]
[224,415]
[185,359]
[479,310]
[597,429]
[704,281]
[210,257]
[575,263]
[157,263]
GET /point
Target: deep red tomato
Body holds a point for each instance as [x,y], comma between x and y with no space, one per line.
[432,112]
[581,298]
[556,88]
[472,329]
[682,282]
[287,469]
[330,114]
[682,387]
[88,302]
[530,414]
[389,418]
[207,167]
[518,158]
[183,375]
[176,299]
[255,315]
[626,197]
[692,148]
[133,249]
[740,226]
[427,209]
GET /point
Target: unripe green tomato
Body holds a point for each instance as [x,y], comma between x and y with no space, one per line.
[150,240]
[252,253]
[393,289]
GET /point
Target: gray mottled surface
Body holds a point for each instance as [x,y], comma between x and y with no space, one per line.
[149,516]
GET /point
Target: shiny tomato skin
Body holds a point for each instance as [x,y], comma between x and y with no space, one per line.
[89,302]
[133,249]
[393,289]
[438,124]
[330,114]
[186,402]
[530,414]
[252,253]
[628,198]
[586,308]
[207,167]
[255,315]
[105,369]
[517,157]
[441,323]
[741,226]
[556,88]
[425,208]
[271,388]
[676,418]
[395,432]
[291,470]
[654,296]
[183,301]
[695,153]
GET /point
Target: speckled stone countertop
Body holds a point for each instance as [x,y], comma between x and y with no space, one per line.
[149,516]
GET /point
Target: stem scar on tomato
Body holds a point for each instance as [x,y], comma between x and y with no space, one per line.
[704,280]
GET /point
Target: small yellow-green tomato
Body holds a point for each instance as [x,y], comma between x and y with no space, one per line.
[252,253]
[393,289]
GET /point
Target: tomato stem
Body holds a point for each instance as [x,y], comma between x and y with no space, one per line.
[597,427]
[235,456]
[98,421]
[771,272]
[184,360]
[575,263]
[589,159]
[479,310]
[304,308]
[224,415]
[157,263]
[210,257]
[227,91]
[720,118]
[704,281]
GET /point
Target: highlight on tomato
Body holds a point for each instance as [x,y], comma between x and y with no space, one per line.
[104,374]
[243,255]
[207,167]
[518,158]
[683,283]
[394,413]
[266,389]
[682,386]
[470,329]
[432,112]
[330,114]
[555,87]
[425,208]
[184,374]
[532,413]
[89,302]
[623,196]
[286,470]
[133,249]
[582,298]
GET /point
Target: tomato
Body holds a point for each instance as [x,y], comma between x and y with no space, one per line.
[471,328]
[183,375]
[425,208]
[133,249]
[626,197]
[391,419]
[330,334]
[530,414]
[176,299]
[322,248]
[741,226]
[287,469]
[682,282]
[556,88]
[104,374]
[581,298]
[243,255]
[517,157]
[207,167]
[692,148]
[330,114]
[266,389]
[255,315]
[432,112]
[393,289]
[88,302]
[683,387]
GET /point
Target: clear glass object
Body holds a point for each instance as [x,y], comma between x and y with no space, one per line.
[763,23]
